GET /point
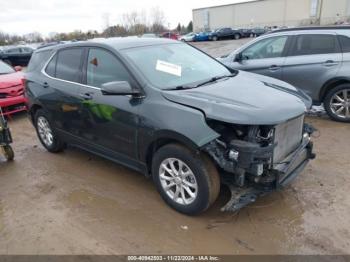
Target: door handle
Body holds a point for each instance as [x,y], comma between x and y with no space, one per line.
[274,68]
[330,63]
[45,85]
[86,96]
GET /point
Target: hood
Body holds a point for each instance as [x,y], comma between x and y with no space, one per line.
[247,99]
[9,80]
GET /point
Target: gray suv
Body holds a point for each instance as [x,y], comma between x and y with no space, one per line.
[314,59]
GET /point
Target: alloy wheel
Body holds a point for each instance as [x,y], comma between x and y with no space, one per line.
[178,181]
[340,104]
[45,131]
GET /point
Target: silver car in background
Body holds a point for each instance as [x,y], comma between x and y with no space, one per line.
[314,59]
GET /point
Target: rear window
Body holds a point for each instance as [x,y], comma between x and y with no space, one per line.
[38,60]
[69,64]
[345,43]
[315,44]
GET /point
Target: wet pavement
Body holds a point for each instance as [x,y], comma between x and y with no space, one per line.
[78,203]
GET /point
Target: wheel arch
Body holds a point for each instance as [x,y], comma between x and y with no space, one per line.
[32,111]
[162,138]
[330,84]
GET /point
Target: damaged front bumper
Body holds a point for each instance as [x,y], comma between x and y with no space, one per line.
[249,174]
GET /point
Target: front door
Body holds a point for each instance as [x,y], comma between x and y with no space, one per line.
[265,57]
[109,121]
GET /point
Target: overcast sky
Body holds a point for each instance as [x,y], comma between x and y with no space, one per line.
[45,16]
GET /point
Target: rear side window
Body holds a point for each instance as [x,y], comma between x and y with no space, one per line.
[315,44]
[51,67]
[104,67]
[345,43]
[38,60]
[68,64]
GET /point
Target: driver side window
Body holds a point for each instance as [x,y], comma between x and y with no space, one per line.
[267,48]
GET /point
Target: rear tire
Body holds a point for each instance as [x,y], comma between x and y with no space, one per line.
[176,169]
[337,103]
[46,134]
[237,36]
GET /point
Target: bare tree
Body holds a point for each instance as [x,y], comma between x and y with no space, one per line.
[158,20]
[130,19]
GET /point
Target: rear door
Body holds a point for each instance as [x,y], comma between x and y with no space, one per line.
[60,89]
[265,57]
[312,61]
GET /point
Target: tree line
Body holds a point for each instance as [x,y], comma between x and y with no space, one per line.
[133,23]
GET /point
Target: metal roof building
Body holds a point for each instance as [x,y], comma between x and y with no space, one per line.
[272,13]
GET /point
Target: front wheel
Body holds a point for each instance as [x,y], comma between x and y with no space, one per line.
[8,152]
[237,36]
[215,38]
[187,182]
[337,103]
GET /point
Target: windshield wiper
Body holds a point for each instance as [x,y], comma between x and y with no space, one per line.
[214,79]
[179,88]
[211,80]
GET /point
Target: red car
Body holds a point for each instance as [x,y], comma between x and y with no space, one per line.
[12,99]
[170,35]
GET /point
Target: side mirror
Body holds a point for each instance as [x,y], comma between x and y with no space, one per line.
[238,58]
[18,68]
[118,88]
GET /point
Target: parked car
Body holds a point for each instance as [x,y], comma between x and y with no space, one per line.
[170,35]
[188,37]
[256,32]
[19,55]
[314,59]
[245,32]
[11,89]
[174,113]
[149,35]
[225,33]
[202,36]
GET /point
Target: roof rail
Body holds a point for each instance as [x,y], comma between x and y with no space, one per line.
[302,28]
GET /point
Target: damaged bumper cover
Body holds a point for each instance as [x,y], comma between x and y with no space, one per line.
[249,171]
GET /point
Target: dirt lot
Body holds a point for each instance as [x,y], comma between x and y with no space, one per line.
[77,203]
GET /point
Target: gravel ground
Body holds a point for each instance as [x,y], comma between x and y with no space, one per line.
[78,203]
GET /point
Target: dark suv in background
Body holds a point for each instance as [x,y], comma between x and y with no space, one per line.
[170,111]
[17,56]
[314,59]
[225,33]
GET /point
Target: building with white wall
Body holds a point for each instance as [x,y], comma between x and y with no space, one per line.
[260,13]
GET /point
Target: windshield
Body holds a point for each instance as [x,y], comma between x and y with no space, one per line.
[5,68]
[173,65]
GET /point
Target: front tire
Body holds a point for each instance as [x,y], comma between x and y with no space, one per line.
[46,134]
[8,152]
[215,38]
[337,103]
[237,36]
[187,182]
